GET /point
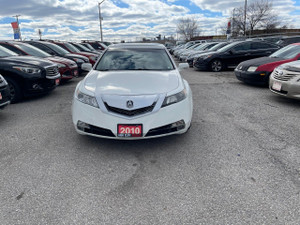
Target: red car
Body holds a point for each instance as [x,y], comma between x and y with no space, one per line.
[72,49]
[257,71]
[67,68]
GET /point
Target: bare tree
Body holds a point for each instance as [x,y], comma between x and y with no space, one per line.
[188,27]
[259,15]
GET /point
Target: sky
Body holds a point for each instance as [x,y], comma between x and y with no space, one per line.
[128,20]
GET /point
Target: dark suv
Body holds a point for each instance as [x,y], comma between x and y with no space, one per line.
[27,75]
[232,54]
[67,68]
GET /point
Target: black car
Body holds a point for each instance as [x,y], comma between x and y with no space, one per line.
[4,93]
[27,75]
[56,50]
[232,54]
[190,58]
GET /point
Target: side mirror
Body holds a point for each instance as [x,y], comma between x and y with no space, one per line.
[86,66]
[183,66]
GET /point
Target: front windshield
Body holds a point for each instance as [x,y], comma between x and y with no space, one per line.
[135,59]
[57,49]
[288,52]
[71,47]
[229,46]
[202,46]
[81,47]
[4,52]
[218,46]
[31,50]
[89,46]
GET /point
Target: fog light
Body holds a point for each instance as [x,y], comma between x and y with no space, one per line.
[179,125]
[262,74]
[82,126]
[36,87]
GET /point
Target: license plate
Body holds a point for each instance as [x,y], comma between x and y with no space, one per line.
[1,96]
[132,130]
[57,82]
[276,86]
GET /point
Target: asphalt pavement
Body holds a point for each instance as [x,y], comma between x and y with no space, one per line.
[238,164]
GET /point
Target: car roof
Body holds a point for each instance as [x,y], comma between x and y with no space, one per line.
[138,45]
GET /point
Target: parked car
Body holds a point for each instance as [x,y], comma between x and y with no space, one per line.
[198,49]
[55,50]
[4,93]
[288,40]
[190,57]
[83,48]
[133,92]
[72,49]
[257,71]
[27,75]
[67,68]
[96,45]
[285,80]
[177,52]
[232,54]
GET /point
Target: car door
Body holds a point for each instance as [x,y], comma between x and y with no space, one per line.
[237,54]
[260,49]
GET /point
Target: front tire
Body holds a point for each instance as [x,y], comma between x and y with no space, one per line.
[15,90]
[216,65]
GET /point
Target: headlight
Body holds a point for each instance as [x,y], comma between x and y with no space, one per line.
[169,100]
[202,56]
[25,69]
[2,81]
[86,99]
[78,60]
[60,65]
[252,69]
[93,58]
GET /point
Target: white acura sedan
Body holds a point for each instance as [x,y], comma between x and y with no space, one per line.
[134,91]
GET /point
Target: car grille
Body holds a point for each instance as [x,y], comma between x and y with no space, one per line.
[130,113]
[284,76]
[52,71]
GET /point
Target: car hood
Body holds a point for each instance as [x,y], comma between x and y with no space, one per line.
[260,61]
[208,53]
[30,60]
[71,55]
[62,60]
[131,82]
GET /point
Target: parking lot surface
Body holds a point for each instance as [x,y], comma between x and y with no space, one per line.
[238,164]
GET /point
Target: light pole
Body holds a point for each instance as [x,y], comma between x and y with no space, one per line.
[245,17]
[17,17]
[100,19]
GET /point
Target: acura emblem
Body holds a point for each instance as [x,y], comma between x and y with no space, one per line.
[129,104]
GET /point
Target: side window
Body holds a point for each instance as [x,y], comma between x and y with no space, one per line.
[14,49]
[44,48]
[258,45]
[242,47]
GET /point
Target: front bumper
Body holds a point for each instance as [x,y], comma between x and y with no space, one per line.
[200,64]
[258,77]
[290,89]
[4,96]
[40,86]
[154,125]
